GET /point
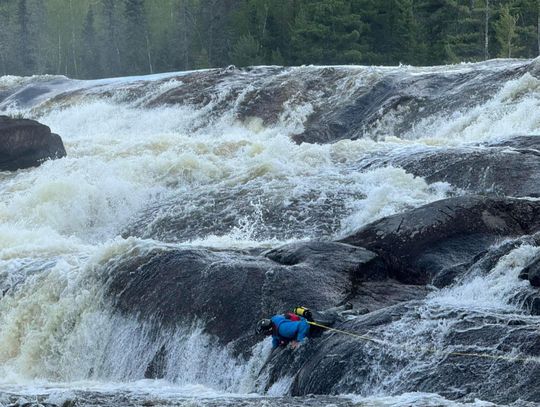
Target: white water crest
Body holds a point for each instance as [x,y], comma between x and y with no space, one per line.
[135,168]
[506,114]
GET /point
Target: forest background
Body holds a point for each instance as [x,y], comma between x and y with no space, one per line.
[106,38]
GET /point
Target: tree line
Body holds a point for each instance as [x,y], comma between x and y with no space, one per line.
[105,38]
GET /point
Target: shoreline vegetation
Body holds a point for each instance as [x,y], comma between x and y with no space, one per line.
[95,39]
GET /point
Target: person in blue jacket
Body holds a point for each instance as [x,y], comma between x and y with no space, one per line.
[285,329]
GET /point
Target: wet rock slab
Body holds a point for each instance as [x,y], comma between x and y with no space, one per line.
[508,168]
[232,290]
[418,245]
[384,270]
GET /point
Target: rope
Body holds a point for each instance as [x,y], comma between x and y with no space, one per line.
[430,350]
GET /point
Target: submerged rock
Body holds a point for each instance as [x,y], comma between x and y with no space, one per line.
[26,143]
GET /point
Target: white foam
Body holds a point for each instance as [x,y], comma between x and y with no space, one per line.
[508,113]
[497,290]
[387,191]
[415,399]
[55,326]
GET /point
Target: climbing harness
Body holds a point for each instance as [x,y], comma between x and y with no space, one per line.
[431,350]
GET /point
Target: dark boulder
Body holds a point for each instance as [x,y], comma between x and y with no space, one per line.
[418,245]
[337,256]
[369,288]
[26,143]
[230,291]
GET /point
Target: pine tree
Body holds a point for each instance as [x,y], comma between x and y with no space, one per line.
[214,30]
[24,52]
[505,31]
[110,38]
[41,46]
[137,42]
[247,51]
[465,41]
[392,30]
[91,63]
[527,13]
[182,36]
[327,32]
[5,40]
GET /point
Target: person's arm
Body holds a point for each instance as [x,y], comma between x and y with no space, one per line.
[275,341]
[303,330]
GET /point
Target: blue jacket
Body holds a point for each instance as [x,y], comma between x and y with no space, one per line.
[284,330]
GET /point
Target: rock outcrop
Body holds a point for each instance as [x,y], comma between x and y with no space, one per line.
[510,168]
[26,143]
[230,290]
[341,364]
[384,271]
[419,245]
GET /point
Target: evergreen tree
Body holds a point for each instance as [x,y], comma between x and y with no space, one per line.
[465,41]
[247,51]
[137,42]
[110,38]
[264,23]
[91,63]
[183,36]
[392,30]
[40,45]
[5,40]
[276,42]
[527,27]
[505,31]
[214,31]
[327,32]
[24,52]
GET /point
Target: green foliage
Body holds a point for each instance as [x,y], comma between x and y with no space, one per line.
[327,32]
[104,38]
[24,53]
[90,57]
[246,51]
[505,31]
[137,47]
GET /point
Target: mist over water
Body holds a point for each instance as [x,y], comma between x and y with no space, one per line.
[140,176]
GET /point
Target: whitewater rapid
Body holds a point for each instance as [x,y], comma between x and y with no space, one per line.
[132,168]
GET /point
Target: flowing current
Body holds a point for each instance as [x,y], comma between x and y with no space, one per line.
[150,166]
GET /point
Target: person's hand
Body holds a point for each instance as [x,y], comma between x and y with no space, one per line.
[294,345]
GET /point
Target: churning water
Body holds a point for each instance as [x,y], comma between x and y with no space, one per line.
[136,166]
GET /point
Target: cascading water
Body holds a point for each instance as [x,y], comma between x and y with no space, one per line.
[153,168]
